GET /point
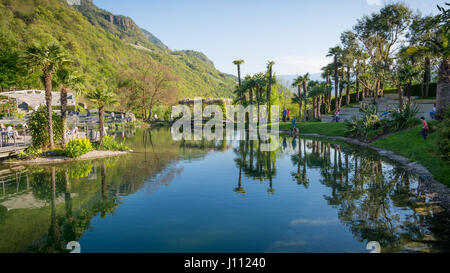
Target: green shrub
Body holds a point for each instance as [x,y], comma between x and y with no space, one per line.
[109,144]
[405,116]
[443,136]
[30,153]
[369,126]
[78,147]
[38,124]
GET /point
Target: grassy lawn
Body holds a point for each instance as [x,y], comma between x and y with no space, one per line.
[410,144]
[322,128]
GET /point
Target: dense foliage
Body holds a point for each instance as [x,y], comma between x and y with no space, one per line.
[38,124]
[110,144]
[78,147]
[371,125]
[443,136]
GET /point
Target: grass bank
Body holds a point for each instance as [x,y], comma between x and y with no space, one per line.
[322,128]
[410,144]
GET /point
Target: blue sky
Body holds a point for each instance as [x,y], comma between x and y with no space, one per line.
[296,34]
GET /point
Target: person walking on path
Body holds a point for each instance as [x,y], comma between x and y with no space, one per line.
[432,114]
[424,128]
[336,116]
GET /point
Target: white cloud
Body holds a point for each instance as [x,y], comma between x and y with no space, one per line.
[373,2]
[298,64]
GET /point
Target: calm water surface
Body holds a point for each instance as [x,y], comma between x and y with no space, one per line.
[220,196]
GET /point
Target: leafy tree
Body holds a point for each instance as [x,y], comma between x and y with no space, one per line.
[39,124]
[433,36]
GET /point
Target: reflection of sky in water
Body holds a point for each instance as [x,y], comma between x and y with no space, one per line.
[198,211]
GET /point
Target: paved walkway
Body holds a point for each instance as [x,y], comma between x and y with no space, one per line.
[391,100]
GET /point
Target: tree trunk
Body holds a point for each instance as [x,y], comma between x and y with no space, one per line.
[422,92]
[427,76]
[239,74]
[357,83]
[328,93]
[319,106]
[400,95]
[64,114]
[48,101]
[269,88]
[409,90]
[341,87]
[305,92]
[336,83]
[144,107]
[101,116]
[314,107]
[347,95]
[299,103]
[443,89]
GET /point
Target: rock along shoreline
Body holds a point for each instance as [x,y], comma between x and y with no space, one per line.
[437,191]
[63,159]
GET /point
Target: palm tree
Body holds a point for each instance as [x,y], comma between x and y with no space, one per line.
[335,52]
[260,82]
[238,64]
[298,97]
[102,98]
[46,59]
[326,74]
[305,81]
[269,88]
[67,80]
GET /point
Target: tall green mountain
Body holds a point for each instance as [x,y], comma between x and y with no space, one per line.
[102,45]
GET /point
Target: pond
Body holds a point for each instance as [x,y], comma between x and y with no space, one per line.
[308,195]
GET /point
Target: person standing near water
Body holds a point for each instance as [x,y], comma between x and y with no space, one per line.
[288,115]
[294,125]
[424,128]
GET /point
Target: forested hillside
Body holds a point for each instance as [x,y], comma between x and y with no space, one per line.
[102,46]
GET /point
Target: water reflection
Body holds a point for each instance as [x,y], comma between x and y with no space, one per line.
[304,196]
[373,198]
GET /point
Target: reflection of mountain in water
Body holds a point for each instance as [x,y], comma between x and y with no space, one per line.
[55,204]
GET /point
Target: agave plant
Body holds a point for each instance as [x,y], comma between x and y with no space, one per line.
[405,116]
[369,122]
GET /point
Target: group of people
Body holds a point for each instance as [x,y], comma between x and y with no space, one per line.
[120,117]
[286,114]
